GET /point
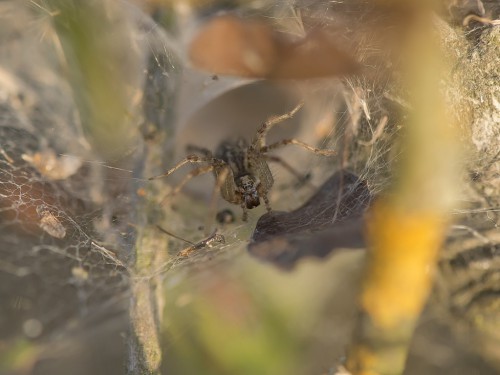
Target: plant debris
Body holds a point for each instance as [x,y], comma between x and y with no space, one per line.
[331,219]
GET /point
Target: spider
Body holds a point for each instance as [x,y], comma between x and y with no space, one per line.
[240,168]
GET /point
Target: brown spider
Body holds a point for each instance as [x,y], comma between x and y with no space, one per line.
[241,170]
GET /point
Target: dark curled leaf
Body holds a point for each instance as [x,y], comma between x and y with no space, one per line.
[329,220]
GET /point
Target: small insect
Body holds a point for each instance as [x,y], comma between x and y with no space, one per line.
[211,241]
[49,223]
[241,169]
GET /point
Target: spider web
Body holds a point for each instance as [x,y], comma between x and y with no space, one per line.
[65,235]
[55,269]
[69,221]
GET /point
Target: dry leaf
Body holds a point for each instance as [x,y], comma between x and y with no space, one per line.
[331,219]
[228,45]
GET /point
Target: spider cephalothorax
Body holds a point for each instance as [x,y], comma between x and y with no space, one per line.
[241,169]
[248,188]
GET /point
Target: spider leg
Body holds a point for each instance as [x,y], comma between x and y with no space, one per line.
[259,140]
[245,211]
[200,150]
[186,179]
[189,159]
[266,201]
[285,142]
[303,179]
[288,167]
[221,178]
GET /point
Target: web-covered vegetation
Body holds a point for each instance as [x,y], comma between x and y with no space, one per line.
[82,264]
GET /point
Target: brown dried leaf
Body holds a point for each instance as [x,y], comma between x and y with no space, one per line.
[314,56]
[228,45]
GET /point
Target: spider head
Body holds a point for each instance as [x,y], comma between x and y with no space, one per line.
[248,190]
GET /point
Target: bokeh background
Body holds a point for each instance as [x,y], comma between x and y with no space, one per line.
[98,96]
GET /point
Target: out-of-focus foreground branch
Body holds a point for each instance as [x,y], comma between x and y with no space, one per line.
[407,226]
